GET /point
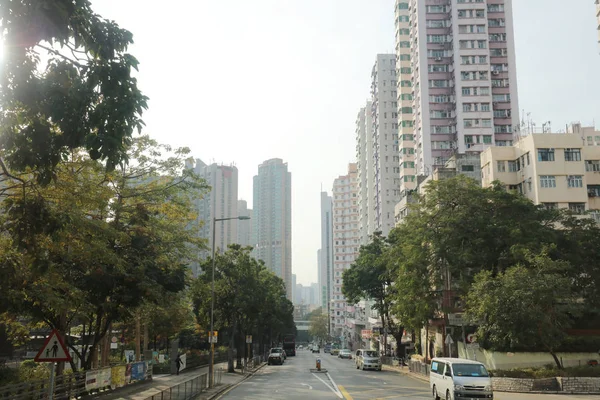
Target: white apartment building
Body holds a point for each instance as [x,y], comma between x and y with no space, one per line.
[384,114]
[245,227]
[272,227]
[325,253]
[346,243]
[366,173]
[457,85]
[556,170]
[220,202]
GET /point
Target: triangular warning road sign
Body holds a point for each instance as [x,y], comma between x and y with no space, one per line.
[53,350]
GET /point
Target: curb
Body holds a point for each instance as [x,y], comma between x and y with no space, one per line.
[231,386]
[407,373]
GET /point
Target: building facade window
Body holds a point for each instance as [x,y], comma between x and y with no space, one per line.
[592,166]
[547,181]
[501,166]
[572,154]
[575,181]
[577,208]
[545,154]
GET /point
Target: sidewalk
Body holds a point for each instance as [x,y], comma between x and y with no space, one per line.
[158,383]
[405,371]
[228,380]
[506,395]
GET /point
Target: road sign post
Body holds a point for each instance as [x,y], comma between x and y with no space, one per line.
[53,351]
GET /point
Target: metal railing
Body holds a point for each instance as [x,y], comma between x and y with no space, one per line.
[189,389]
[66,387]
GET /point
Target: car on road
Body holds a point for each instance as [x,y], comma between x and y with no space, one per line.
[367,359]
[276,356]
[345,353]
[334,352]
[457,378]
[316,349]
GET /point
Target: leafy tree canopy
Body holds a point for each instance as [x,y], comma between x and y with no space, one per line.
[524,307]
[65,83]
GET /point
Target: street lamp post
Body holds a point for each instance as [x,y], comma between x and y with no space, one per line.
[211,366]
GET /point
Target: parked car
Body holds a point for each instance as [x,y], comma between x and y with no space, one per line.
[367,359]
[457,378]
[282,351]
[276,356]
[345,353]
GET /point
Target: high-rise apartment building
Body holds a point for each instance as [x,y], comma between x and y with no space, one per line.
[366,173]
[220,202]
[245,227]
[325,253]
[384,115]
[598,18]
[457,82]
[272,227]
[345,242]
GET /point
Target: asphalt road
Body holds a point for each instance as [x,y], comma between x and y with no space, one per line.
[294,380]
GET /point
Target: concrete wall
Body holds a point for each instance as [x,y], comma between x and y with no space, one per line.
[497,360]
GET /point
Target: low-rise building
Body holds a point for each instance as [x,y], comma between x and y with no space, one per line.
[556,170]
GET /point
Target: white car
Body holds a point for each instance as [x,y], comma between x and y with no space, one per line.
[457,378]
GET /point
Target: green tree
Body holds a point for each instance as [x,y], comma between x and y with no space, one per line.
[414,299]
[91,247]
[577,243]
[464,228]
[318,328]
[371,277]
[249,299]
[84,96]
[524,307]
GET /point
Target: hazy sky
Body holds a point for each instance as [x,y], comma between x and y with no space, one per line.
[247,80]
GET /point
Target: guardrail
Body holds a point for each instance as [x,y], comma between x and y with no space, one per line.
[74,385]
[189,389]
[418,367]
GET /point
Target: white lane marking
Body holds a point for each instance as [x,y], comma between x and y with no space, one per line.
[306,384]
[337,392]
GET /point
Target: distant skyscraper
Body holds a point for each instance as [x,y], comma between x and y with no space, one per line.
[293,288]
[386,157]
[456,81]
[366,173]
[598,18]
[220,202]
[346,242]
[245,227]
[272,227]
[325,254]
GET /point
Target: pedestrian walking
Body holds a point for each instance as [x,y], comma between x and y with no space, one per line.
[178,363]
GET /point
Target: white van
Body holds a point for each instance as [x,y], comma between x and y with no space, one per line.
[459,379]
[367,359]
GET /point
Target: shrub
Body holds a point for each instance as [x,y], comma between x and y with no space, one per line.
[546,372]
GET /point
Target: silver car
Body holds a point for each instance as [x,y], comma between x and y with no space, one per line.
[367,359]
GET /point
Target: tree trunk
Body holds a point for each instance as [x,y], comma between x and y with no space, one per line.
[138,347]
[398,333]
[239,352]
[232,330]
[556,360]
[146,337]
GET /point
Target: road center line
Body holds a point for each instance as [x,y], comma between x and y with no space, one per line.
[345,393]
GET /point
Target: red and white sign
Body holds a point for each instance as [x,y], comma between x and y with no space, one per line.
[471,338]
[366,333]
[53,350]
